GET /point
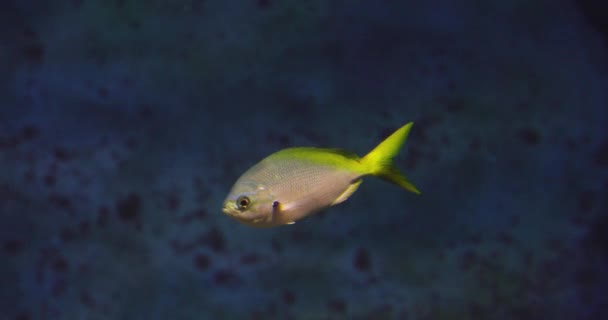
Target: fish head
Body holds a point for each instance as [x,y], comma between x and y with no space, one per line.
[250,203]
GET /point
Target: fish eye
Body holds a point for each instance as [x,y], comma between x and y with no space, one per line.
[242,202]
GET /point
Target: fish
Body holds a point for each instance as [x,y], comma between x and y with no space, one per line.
[296,182]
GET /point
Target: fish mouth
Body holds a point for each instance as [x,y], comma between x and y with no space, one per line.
[235,214]
[229,210]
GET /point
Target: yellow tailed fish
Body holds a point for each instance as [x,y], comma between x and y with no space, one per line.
[293,183]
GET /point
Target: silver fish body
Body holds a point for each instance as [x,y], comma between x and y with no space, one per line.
[287,190]
[293,183]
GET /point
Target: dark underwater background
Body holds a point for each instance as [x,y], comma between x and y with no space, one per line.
[124,123]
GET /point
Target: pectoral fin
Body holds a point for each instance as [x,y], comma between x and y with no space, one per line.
[276,210]
[348,192]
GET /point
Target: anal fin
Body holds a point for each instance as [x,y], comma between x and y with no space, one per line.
[348,192]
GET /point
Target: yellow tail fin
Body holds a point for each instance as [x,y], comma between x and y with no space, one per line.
[378,162]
